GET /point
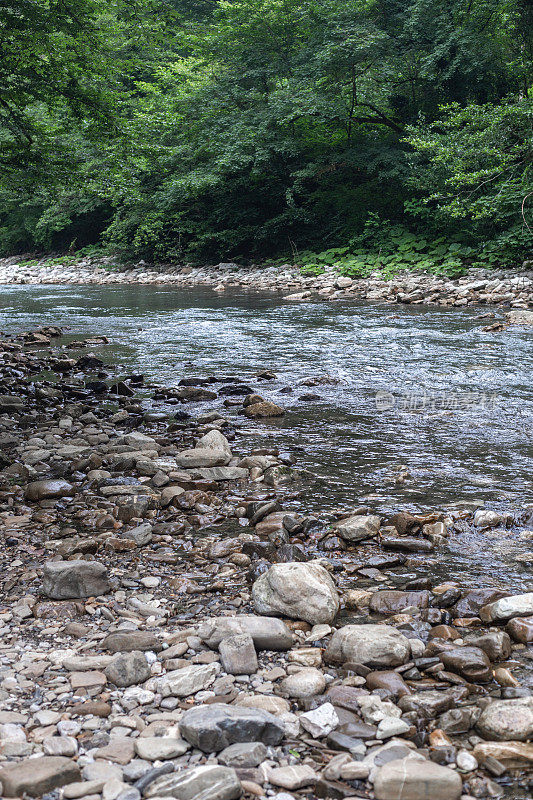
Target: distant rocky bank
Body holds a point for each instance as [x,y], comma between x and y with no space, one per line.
[506,288]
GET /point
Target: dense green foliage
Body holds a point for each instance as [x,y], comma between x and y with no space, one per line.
[370,133]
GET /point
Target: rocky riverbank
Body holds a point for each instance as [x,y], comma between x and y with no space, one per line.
[173,623]
[507,288]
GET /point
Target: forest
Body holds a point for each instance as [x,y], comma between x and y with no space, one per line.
[206,130]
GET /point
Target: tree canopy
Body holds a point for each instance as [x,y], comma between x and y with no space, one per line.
[198,130]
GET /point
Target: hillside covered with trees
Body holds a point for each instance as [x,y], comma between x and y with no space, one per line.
[197,130]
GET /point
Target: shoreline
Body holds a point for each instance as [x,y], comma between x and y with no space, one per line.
[505,289]
[168,620]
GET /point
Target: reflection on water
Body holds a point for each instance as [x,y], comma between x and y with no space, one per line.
[416,407]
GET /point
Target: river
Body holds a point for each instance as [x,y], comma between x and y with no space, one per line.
[413,407]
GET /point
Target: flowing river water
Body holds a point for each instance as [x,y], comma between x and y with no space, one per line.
[408,407]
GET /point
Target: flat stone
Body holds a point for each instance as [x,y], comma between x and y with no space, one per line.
[511,754]
[83,663]
[409,779]
[408,544]
[66,580]
[519,605]
[243,754]
[48,490]
[187,681]
[208,782]
[292,778]
[357,527]
[127,641]
[37,776]
[202,457]
[302,591]
[82,789]
[370,645]
[212,728]
[160,748]
[274,705]
[237,654]
[96,708]
[120,750]
[507,720]
[224,473]
[87,680]
[128,669]
[392,601]
[268,633]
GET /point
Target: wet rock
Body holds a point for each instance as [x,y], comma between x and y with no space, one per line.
[404,522]
[300,591]
[255,406]
[507,720]
[497,645]
[37,776]
[187,681]
[268,633]
[520,605]
[238,655]
[520,317]
[49,489]
[209,782]
[391,601]
[521,629]
[307,682]
[214,727]
[408,544]
[474,599]
[128,669]
[409,779]
[470,662]
[487,519]
[370,645]
[66,580]
[202,457]
[127,641]
[357,528]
